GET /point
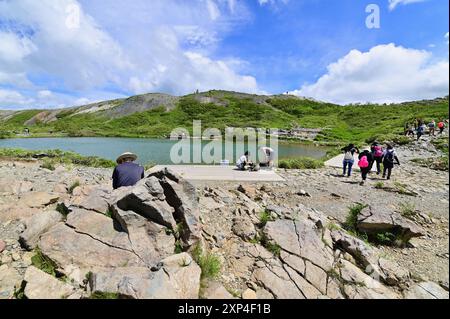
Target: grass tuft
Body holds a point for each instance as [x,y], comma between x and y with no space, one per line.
[209,263]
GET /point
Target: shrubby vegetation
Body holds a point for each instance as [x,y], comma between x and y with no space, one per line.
[300,163]
[343,124]
[53,157]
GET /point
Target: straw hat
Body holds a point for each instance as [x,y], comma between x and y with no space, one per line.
[126,155]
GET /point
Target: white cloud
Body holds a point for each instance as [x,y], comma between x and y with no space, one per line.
[384,74]
[44,94]
[394,3]
[446,37]
[271,2]
[147,53]
[214,12]
[11,97]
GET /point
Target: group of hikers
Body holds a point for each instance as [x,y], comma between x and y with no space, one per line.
[419,127]
[376,154]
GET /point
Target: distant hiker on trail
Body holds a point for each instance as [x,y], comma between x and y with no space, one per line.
[365,158]
[389,158]
[377,153]
[269,156]
[441,126]
[409,131]
[349,159]
[432,127]
[243,161]
[127,173]
[420,131]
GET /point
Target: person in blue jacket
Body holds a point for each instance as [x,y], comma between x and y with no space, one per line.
[127,173]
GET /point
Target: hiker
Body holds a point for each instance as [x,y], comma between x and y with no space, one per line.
[127,173]
[349,159]
[432,127]
[441,127]
[377,154]
[365,158]
[420,131]
[269,154]
[389,158]
[409,131]
[243,161]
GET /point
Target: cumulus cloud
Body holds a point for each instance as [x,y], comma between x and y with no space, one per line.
[394,3]
[384,74]
[8,97]
[95,51]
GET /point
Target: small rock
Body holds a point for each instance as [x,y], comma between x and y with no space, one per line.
[15,256]
[249,294]
[303,193]
[2,245]
[216,290]
[244,228]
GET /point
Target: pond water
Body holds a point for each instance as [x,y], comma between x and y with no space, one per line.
[150,150]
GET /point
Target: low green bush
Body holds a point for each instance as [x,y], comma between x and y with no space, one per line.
[300,163]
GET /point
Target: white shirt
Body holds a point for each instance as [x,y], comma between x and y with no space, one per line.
[242,159]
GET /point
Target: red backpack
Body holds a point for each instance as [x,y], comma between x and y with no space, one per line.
[378,151]
[363,162]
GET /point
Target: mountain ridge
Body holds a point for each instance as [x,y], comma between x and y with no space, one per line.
[157,114]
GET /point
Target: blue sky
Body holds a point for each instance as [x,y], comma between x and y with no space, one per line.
[68,52]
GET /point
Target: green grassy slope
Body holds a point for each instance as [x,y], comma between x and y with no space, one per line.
[354,123]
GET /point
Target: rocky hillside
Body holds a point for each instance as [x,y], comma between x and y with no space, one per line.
[156,115]
[67,234]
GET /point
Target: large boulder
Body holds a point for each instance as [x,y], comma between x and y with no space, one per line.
[40,285]
[358,285]
[178,277]
[17,211]
[148,201]
[36,226]
[99,227]
[10,280]
[182,196]
[94,198]
[150,241]
[376,220]
[72,250]
[426,290]
[301,238]
[14,187]
[38,199]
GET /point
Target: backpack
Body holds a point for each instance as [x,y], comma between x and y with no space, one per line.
[389,157]
[441,124]
[348,155]
[363,162]
[378,151]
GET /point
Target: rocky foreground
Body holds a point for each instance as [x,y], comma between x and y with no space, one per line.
[67,234]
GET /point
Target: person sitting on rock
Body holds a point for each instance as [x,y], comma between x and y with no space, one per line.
[127,173]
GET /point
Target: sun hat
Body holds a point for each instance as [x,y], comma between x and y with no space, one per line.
[126,155]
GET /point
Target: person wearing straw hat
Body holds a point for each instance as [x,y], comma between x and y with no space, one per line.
[127,173]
